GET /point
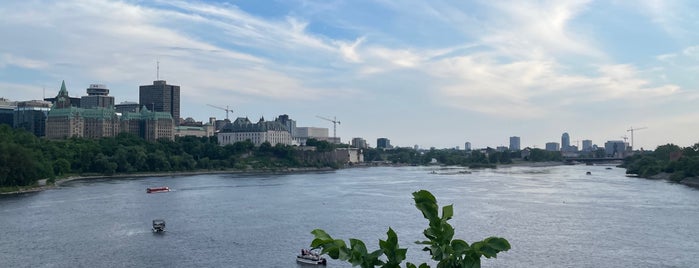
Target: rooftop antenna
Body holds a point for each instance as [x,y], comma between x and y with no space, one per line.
[157,69]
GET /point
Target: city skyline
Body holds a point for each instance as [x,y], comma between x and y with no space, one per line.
[433,73]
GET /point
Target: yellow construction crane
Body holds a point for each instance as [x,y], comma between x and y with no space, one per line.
[221,108]
[632,129]
[335,123]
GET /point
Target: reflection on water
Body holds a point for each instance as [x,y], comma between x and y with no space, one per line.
[553,217]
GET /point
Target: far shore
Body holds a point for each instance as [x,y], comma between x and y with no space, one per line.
[42,185]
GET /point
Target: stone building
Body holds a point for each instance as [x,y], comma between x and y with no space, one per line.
[149,125]
[65,121]
[243,129]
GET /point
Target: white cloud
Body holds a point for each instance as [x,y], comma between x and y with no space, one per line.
[7,59]
[537,30]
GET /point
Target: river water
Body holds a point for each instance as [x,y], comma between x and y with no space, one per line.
[553,217]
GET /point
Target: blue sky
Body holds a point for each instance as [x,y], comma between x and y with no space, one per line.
[432,73]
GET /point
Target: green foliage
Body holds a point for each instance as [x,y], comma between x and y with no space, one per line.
[24,158]
[679,162]
[448,252]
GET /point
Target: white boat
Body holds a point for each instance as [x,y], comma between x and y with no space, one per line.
[158,225]
[310,257]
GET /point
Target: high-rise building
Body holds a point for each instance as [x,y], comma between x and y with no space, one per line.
[359,143]
[615,148]
[7,111]
[127,107]
[288,123]
[552,146]
[514,143]
[161,97]
[587,145]
[31,116]
[383,143]
[565,141]
[467,146]
[97,96]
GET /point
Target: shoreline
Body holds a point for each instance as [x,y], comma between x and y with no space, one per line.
[59,182]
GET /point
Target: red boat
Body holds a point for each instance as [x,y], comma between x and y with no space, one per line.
[157,189]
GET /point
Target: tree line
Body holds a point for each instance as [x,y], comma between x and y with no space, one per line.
[25,158]
[453,157]
[680,162]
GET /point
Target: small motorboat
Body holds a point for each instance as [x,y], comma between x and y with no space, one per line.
[157,189]
[588,173]
[310,257]
[158,225]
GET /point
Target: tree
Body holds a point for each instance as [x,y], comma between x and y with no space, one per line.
[448,252]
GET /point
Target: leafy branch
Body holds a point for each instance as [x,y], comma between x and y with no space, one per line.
[448,252]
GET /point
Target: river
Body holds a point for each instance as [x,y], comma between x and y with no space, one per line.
[553,217]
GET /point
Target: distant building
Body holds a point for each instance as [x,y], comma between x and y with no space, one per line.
[65,121]
[7,111]
[66,101]
[305,133]
[31,116]
[514,143]
[190,127]
[587,145]
[552,146]
[383,143]
[161,97]
[565,142]
[616,148]
[97,96]
[243,129]
[416,147]
[359,143]
[149,125]
[127,107]
[502,148]
[288,123]
[467,146]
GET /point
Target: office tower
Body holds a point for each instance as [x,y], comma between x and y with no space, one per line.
[467,146]
[383,143]
[359,143]
[127,107]
[161,97]
[552,146]
[514,143]
[31,116]
[587,145]
[565,142]
[97,96]
[289,123]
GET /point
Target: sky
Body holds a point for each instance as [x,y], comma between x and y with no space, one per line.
[428,73]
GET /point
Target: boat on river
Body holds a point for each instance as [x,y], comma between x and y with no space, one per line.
[157,189]
[310,257]
[158,225]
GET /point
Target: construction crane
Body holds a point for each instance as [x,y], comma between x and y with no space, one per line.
[221,108]
[632,129]
[335,123]
[624,137]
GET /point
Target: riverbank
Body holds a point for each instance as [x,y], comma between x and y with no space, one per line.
[690,181]
[42,184]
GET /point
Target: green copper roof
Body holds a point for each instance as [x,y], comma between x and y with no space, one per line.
[146,114]
[63,88]
[97,113]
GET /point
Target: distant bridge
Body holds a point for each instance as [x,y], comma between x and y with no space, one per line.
[593,160]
